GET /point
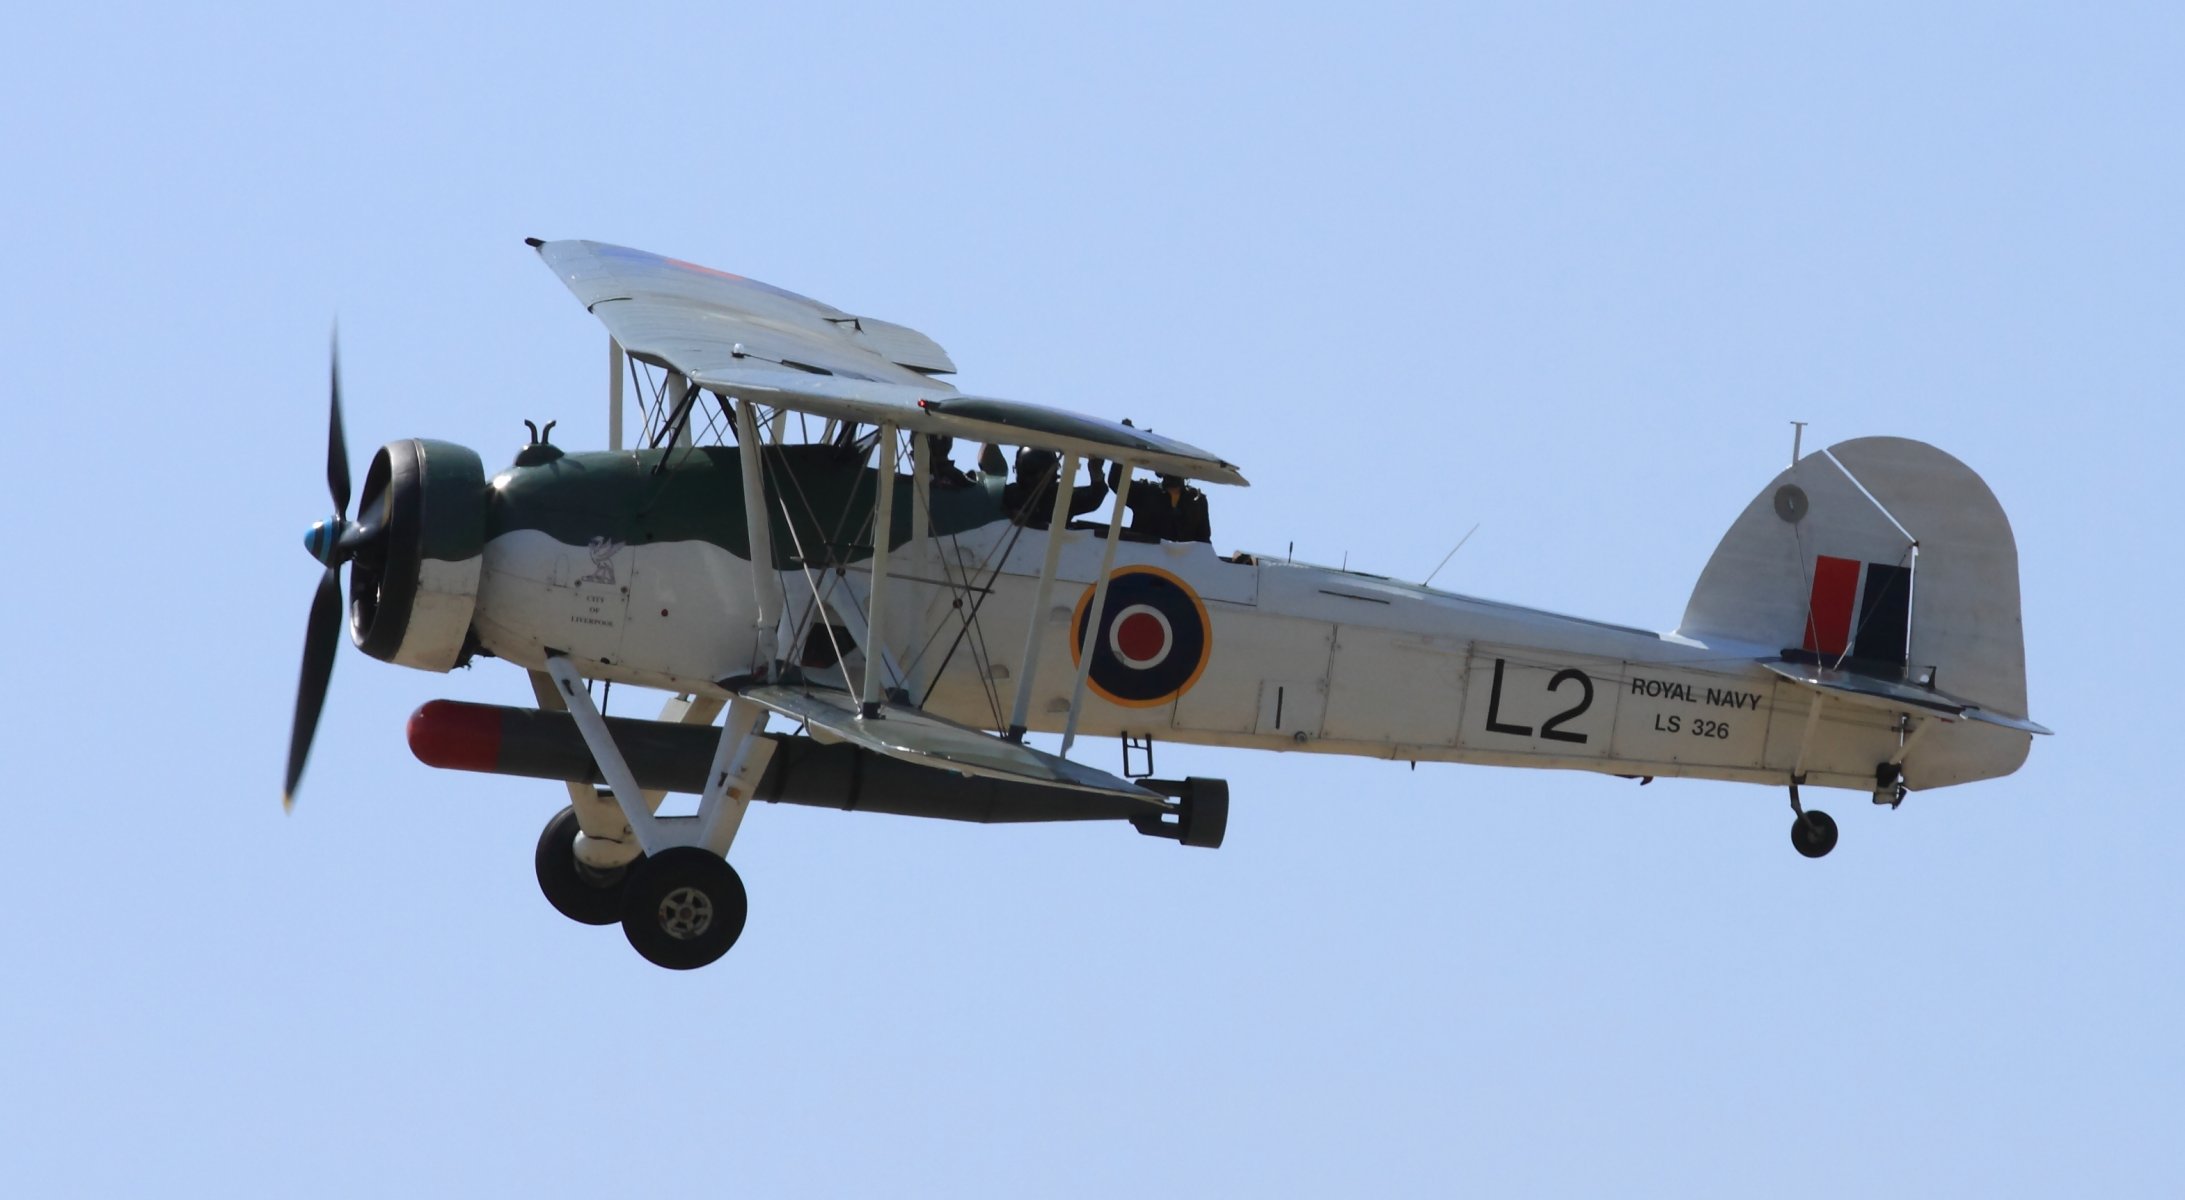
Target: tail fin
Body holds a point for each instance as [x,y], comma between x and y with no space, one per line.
[1883,555]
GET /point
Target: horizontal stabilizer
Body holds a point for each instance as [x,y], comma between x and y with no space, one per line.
[1872,692]
[913,736]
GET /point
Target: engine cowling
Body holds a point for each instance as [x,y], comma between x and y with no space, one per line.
[411,598]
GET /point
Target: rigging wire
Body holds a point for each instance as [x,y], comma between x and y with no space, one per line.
[819,602]
[970,620]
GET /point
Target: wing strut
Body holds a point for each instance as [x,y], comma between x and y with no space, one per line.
[921,527]
[614,393]
[883,527]
[1098,612]
[1032,629]
[757,527]
[682,398]
[921,490]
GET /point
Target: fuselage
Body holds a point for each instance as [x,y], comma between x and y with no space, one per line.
[641,574]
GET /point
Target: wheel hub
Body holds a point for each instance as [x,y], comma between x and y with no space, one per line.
[685,912]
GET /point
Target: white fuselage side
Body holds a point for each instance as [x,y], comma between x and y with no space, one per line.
[1298,657]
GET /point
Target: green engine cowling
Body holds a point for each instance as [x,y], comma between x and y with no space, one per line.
[411,602]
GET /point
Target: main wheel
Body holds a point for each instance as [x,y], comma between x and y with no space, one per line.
[578,892]
[683,908]
[1813,834]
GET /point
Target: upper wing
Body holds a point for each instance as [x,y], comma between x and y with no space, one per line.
[741,337]
[695,320]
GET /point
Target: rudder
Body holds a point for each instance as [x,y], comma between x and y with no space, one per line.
[1883,555]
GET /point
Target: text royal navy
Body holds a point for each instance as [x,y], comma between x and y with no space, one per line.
[1661,689]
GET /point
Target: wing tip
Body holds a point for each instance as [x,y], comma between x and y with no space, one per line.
[535,243]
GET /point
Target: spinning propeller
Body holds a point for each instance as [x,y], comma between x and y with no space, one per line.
[333,541]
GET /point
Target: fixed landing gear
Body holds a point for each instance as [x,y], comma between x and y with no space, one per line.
[1813,834]
[683,907]
[584,894]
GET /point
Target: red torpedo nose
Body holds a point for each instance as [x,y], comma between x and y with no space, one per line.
[457,736]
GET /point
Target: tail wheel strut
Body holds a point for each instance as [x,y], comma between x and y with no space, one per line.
[1813,833]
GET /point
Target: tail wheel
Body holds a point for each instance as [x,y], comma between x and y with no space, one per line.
[1813,834]
[683,908]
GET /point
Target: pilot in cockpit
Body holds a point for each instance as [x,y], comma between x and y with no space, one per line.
[1030,496]
[944,472]
[1176,512]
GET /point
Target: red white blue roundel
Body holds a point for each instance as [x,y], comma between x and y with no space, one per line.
[1153,641]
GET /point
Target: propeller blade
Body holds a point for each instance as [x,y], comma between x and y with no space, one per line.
[321,638]
[337,446]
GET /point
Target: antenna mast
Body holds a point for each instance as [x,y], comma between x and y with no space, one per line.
[1452,553]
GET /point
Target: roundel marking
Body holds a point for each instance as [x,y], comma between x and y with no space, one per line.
[1154,641]
[1141,637]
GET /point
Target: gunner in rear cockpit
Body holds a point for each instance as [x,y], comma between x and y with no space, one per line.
[944,472]
[1176,512]
[1029,498]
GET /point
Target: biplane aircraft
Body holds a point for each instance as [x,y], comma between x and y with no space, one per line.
[791,543]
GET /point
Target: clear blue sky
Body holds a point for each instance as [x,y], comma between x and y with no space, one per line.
[1566,271]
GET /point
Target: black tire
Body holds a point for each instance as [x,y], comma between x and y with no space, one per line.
[683,908]
[577,892]
[1814,834]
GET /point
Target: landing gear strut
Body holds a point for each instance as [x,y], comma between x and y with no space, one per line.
[1813,834]
[682,906]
